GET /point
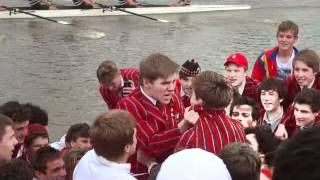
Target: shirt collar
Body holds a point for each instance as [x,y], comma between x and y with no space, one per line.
[273,122]
[122,166]
[241,87]
[153,101]
[182,93]
[306,127]
[310,85]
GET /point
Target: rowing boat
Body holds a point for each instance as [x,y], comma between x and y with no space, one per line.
[6,14]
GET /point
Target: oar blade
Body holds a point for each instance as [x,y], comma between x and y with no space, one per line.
[64,22]
[163,20]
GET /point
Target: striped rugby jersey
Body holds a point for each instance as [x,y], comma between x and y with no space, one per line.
[157,127]
[212,132]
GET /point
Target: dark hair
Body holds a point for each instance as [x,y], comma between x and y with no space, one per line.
[107,71]
[308,57]
[288,26]
[309,97]
[111,132]
[42,156]
[71,159]
[299,157]
[157,66]
[76,131]
[245,100]
[242,161]
[267,143]
[154,172]
[212,89]
[15,169]
[275,85]
[15,111]
[36,115]
[4,123]
[30,138]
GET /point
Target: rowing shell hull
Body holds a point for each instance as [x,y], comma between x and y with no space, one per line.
[143,10]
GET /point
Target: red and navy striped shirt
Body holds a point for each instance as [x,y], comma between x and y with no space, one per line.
[157,129]
[212,132]
[293,88]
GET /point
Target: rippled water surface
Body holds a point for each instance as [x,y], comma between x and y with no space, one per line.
[54,65]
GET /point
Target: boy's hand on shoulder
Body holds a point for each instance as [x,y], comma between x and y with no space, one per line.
[191,116]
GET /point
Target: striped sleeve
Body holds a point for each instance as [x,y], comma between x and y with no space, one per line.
[150,138]
[108,97]
[131,74]
[186,141]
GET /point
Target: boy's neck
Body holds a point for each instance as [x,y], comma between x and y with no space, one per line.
[121,160]
[274,113]
[285,54]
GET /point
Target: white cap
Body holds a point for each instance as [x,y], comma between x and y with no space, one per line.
[193,164]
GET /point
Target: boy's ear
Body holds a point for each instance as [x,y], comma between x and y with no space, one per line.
[254,123]
[146,83]
[281,100]
[127,148]
[37,174]
[199,101]
[72,143]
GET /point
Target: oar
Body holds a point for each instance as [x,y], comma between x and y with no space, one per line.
[129,12]
[31,14]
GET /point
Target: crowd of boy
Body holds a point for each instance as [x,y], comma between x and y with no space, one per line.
[166,122]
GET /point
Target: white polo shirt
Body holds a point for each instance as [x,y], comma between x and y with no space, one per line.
[91,166]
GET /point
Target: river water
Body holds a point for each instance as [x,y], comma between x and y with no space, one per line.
[54,66]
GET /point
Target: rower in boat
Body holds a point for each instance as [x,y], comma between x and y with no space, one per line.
[84,4]
[182,3]
[135,3]
[129,4]
[41,5]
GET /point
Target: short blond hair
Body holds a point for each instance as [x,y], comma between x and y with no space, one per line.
[157,66]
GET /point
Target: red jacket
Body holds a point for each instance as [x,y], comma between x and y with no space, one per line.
[157,129]
[297,130]
[212,132]
[290,122]
[185,99]
[111,98]
[294,88]
[287,119]
[265,65]
[251,89]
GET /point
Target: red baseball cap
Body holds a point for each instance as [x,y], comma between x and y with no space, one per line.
[238,59]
